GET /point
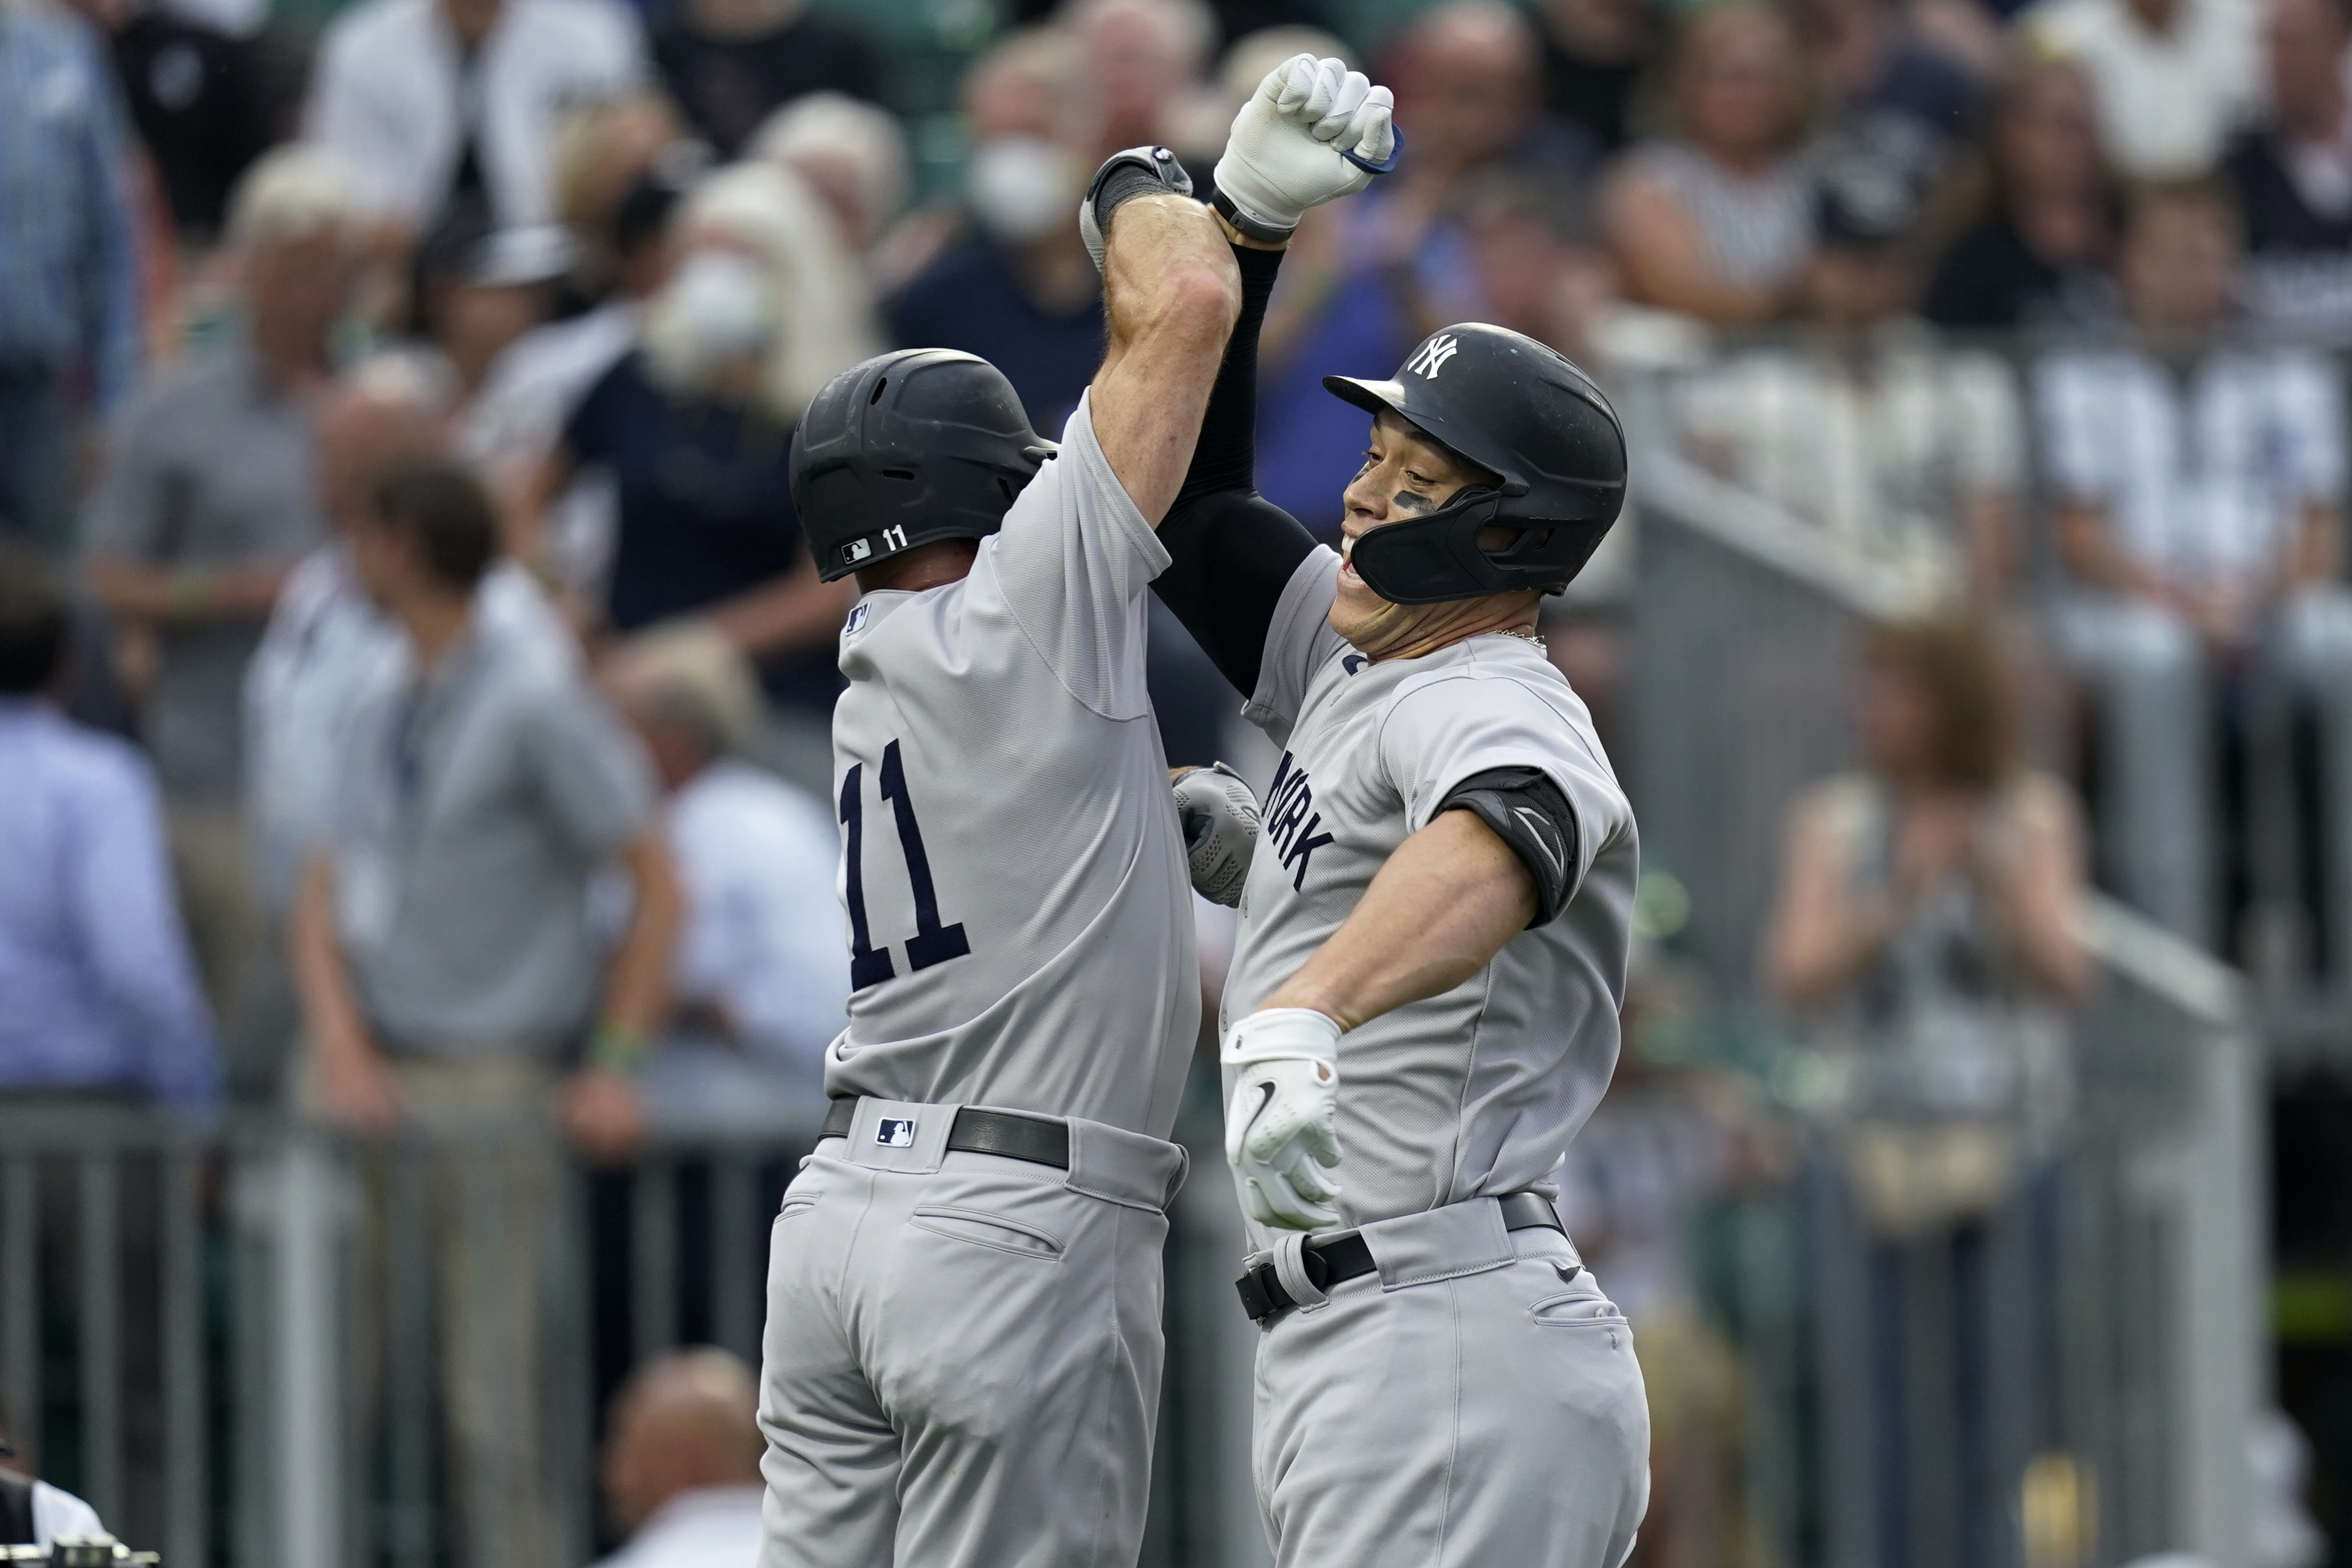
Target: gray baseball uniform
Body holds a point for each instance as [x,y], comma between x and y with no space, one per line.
[1477,1400]
[963,1351]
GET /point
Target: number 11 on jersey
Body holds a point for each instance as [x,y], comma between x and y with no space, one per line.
[932,942]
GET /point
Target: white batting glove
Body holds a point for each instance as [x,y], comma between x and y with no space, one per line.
[1291,144]
[1219,819]
[1281,1126]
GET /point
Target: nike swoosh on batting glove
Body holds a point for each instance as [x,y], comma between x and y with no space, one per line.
[1281,1125]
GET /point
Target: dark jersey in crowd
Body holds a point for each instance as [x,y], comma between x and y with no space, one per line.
[970,300]
[197,97]
[1922,84]
[1598,96]
[728,86]
[706,511]
[1990,280]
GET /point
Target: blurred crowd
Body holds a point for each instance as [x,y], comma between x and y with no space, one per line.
[414,682]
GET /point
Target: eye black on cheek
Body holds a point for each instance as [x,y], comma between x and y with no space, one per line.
[1406,501]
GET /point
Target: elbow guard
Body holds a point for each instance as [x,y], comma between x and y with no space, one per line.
[1526,812]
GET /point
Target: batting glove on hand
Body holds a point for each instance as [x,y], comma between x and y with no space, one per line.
[1220,818]
[1281,1132]
[1313,132]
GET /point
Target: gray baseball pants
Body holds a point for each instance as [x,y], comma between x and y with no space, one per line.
[962,1353]
[1475,1402]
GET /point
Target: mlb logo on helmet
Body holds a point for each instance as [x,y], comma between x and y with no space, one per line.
[895,1133]
[1432,356]
[855,551]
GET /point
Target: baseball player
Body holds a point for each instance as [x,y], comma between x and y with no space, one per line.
[1434,924]
[962,1351]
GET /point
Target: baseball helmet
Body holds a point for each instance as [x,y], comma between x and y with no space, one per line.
[1523,413]
[907,449]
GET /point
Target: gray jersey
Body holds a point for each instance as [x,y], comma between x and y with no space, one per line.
[1478,1090]
[1020,913]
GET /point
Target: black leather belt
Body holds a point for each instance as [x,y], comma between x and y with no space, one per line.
[1344,1258]
[976,1131]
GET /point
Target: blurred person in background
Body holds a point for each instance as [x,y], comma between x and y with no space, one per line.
[852,154]
[1017,289]
[199,101]
[442,952]
[730,63]
[1470,75]
[102,995]
[2035,256]
[209,498]
[2172,79]
[1715,220]
[1926,927]
[681,1467]
[443,104]
[2197,487]
[760,982]
[474,289]
[1139,65]
[71,310]
[2293,178]
[1534,241]
[1910,455]
[695,428]
[32,1511]
[1871,66]
[1594,52]
[602,151]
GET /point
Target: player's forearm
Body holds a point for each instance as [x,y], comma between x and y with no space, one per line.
[1438,912]
[1171,294]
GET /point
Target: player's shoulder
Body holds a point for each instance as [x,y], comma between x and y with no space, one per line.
[1491,674]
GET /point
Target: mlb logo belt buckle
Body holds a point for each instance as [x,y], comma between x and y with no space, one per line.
[895,1132]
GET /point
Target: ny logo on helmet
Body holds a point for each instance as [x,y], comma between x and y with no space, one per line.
[1432,356]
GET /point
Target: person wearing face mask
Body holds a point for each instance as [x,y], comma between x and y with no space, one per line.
[1017,289]
[694,427]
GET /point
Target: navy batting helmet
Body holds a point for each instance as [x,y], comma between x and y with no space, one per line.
[906,449]
[1526,415]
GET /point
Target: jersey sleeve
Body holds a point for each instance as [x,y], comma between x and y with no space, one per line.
[1298,642]
[1441,733]
[1072,562]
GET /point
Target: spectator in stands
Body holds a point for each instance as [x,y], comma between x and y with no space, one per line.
[1926,927]
[1594,52]
[102,992]
[33,1512]
[1535,243]
[2199,511]
[2172,79]
[1717,219]
[1016,289]
[436,104]
[1138,64]
[1872,66]
[695,428]
[2293,176]
[2035,258]
[852,154]
[210,498]
[474,289]
[602,153]
[681,1471]
[1469,81]
[1906,453]
[70,310]
[761,983]
[441,953]
[198,99]
[730,63]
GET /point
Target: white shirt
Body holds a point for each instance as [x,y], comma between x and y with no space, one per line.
[326,648]
[1879,449]
[2202,476]
[2166,101]
[392,95]
[60,1513]
[764,938]
[717,1527]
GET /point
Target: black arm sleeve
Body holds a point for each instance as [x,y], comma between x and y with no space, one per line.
[1528,812]
[1232,551]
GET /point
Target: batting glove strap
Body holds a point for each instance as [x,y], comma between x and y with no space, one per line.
[1220,817]
[1137,172]
[1313,132]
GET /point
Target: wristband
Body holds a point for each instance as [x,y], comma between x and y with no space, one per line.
[1247,226]
[613,1049]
